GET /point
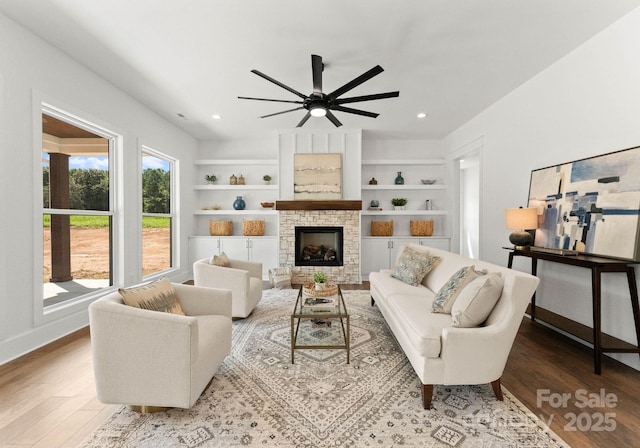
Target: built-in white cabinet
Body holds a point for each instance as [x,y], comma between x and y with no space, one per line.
[381,252]
[263,249]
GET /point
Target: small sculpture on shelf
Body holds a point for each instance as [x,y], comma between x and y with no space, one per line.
[211,178]
[233,180]
[373,181]
[241,180]
[267,179]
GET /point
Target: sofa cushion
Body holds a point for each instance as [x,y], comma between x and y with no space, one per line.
[221,260]
[412,265]
[280,278]
[156,296]
[387,285]
[446,296]
[423,329]
[476,301]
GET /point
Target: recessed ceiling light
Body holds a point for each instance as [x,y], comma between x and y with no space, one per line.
[421,115]
[216,117]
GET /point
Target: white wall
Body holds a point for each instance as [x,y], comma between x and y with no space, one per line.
[30,68]
[586,104]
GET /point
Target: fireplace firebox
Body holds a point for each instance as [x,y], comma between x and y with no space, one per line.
[318,246]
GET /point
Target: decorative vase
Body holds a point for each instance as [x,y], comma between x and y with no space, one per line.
[399,179]
[239,203]
[233,180]
[267,182]
[320,286]
[241,180]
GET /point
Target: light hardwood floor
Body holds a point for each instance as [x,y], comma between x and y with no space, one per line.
[47,398]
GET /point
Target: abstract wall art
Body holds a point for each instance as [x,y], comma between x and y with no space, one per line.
[317,176]
[590,205]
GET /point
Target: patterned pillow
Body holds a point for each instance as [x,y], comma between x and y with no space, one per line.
[157,296]
[444,299]
[413,265]
[220,260]
[476,301]
[280,278]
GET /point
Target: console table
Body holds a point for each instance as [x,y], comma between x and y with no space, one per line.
[598,265]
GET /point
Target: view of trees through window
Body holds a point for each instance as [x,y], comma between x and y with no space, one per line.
[157,215]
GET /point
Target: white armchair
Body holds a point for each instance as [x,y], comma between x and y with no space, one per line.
[156,359]
[242,278]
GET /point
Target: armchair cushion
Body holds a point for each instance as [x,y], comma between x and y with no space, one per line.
[221,260]
[156,296]
[476,301]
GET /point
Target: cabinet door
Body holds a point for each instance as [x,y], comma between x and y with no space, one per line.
[437,243]
[395,245]
[203,247]
[236,248]
[375,255]
[265,251]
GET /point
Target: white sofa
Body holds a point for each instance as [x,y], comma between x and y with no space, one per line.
[156,359]
[440,353]
[243,278]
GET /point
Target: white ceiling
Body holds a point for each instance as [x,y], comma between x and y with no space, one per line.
[450,59]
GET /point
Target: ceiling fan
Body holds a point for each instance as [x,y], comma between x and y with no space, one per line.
[319,104]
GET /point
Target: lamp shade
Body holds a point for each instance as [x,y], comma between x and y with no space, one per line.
[521,218]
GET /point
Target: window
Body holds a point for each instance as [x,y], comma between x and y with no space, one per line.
[157,212]
[77,217]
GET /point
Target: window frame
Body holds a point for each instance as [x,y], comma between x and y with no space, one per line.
[43,105]
[173,204]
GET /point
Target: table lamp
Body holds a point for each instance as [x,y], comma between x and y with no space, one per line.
[521,220]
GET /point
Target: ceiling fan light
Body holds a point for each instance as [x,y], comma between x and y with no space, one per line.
[318,111]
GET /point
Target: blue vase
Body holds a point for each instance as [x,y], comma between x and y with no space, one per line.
[239,204]
[399,179]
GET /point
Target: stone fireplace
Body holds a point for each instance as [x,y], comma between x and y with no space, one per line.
[344,215]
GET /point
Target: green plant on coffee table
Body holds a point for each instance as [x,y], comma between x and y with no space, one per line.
[210,178]
[320,277]
[399,202]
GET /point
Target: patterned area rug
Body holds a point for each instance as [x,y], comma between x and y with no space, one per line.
[258,398]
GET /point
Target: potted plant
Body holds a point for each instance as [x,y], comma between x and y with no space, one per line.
[320,279]
[211,178]
[267,179]
[399,203]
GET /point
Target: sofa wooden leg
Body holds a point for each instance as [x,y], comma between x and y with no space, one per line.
[427,393]
[497,389]
[373,302]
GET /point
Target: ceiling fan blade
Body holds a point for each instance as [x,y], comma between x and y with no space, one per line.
[376,96]
[267,99]
[332,118]
[304,120]
[278,83]
[317,68]
[357,81]
[350,110]
[283,112]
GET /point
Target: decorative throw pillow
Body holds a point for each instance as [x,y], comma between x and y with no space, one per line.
[476,301]
[156,296]
[280,278]
[445,298]
[221,260]
[413,265]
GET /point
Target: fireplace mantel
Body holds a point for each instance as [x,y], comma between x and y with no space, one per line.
[319,205]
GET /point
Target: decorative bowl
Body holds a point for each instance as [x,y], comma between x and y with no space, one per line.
[267,204]
[428,181]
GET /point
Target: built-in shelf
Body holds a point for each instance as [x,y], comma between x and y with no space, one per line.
[404,162]
[235,187]
[236,162]
[236,212]
[405,212]
[404,187]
